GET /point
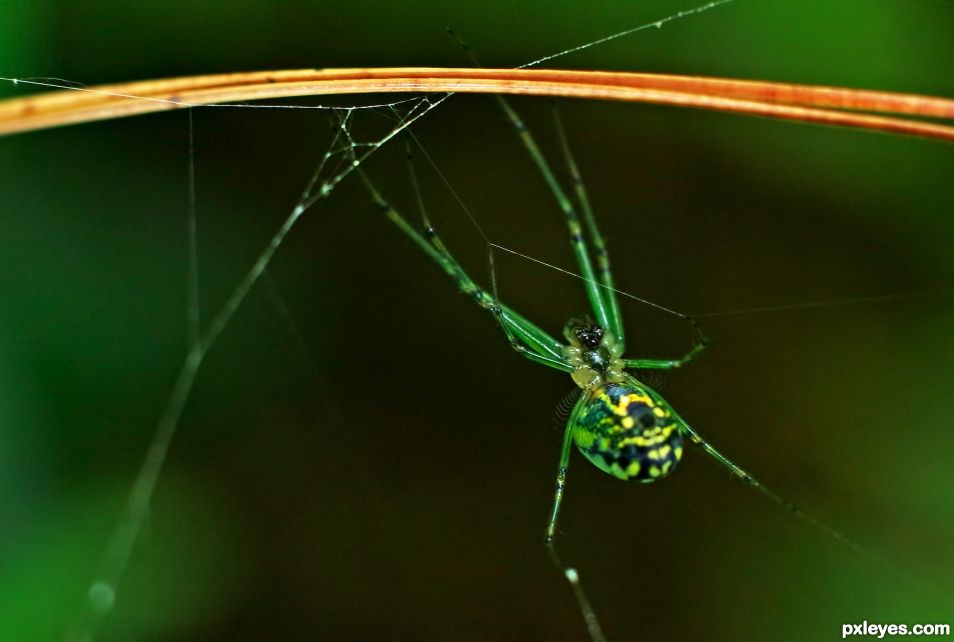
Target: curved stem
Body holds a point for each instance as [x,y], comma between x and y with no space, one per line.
[805,103]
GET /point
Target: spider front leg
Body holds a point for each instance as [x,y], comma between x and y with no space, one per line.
[523,335]
[599,292]
[528,339]
[615,316]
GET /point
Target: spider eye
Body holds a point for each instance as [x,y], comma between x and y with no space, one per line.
[589,336]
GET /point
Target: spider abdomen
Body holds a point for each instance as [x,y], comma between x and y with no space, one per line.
[627,433]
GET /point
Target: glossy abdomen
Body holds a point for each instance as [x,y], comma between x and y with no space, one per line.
[628,432]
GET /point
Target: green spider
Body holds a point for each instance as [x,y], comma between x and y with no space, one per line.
[619,423]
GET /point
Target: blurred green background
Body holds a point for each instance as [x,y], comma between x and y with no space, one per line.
[362,456]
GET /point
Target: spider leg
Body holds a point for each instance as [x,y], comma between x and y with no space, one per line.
[524,336]
[614,316]
[570,573]
[665,364]
[595,292]
[564,466]
[690,434]
[669,364]
[592,623]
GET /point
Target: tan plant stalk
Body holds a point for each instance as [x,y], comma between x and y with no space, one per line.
[807,103]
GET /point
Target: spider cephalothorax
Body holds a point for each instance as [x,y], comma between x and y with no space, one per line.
[594,354]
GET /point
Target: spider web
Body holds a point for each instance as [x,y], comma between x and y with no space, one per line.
[344,155]
[350,142]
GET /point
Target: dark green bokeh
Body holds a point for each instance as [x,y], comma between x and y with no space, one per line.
[376,464]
